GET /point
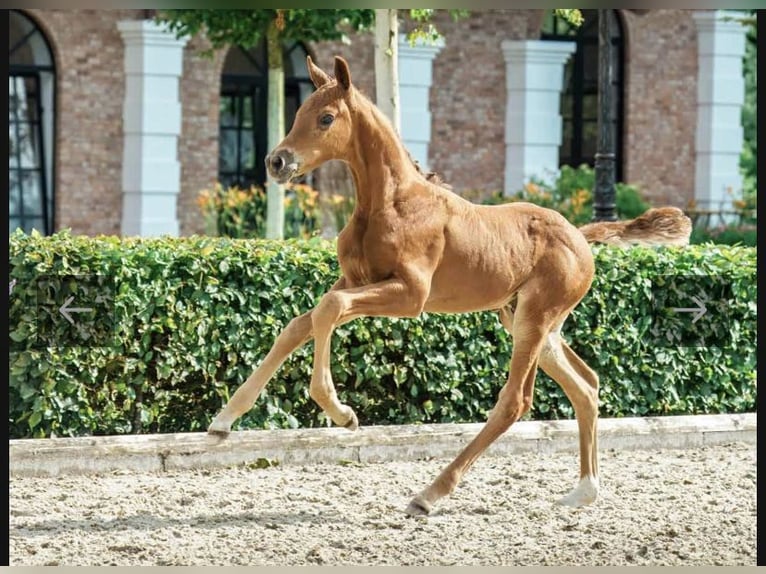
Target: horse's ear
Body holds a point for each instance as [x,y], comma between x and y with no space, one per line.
[318,77]
[342,73]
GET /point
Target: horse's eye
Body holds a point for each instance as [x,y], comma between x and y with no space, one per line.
[326,120]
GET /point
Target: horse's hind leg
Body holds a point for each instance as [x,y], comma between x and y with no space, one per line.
[580,384]
[515,399]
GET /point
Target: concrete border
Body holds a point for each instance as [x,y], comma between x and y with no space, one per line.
[166,452]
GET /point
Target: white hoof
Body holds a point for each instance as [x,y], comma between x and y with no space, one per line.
[584,493]
[219,427]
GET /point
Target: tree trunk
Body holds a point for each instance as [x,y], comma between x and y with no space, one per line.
[386,68]
[275,193]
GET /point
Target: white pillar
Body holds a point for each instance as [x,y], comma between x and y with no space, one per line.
[534,75]
[151,172]
[415,78]
[720,96]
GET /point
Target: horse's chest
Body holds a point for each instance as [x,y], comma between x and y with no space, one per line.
[366,254]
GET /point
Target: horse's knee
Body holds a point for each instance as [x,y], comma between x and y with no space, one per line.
[330,308]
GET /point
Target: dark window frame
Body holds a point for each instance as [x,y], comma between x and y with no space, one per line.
[237,88]
[587,36]
[46,181]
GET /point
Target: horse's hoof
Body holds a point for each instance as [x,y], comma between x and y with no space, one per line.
[219,429]
[585,493]
[418,507]
[353,422]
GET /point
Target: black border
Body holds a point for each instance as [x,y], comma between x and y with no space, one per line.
[5,555]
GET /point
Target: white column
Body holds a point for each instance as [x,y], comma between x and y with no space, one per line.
[151,172]
[415,78]
[534,75]
[720,96]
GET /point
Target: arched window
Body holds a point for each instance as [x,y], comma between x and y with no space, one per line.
[579,98]
[31,100]
[242,120]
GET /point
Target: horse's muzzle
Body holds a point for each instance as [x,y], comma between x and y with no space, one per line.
[281,165]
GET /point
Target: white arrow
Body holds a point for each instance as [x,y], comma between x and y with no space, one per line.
[65,309]
[698,311]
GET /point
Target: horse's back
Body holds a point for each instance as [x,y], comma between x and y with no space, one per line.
[491,252]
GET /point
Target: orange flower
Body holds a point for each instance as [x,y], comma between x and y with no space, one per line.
[532,188]
[580,198]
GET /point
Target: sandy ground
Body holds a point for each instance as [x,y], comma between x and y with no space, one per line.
[674,507]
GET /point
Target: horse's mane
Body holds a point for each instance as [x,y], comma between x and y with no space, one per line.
[431,176]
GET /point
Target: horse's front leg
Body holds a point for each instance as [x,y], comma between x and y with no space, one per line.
[296,334]
[390,298]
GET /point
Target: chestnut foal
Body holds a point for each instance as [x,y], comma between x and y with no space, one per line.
[413,246]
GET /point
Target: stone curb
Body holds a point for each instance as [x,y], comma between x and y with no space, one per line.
[167,452]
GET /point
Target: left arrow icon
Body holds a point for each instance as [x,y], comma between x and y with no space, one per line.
[65,310]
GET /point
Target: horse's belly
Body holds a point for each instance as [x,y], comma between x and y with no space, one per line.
[465,292]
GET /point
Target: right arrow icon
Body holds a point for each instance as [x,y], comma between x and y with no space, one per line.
[698,311]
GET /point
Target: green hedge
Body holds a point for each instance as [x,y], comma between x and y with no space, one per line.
[193,316]
[746,235]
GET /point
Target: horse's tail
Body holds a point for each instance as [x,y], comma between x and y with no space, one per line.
[656,226]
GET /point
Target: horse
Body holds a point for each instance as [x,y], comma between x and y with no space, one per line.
[413,246]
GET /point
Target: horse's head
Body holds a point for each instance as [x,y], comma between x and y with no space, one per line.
[322,128]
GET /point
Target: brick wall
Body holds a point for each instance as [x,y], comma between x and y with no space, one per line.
[89,54]
[90,91]
[660,98]
[468,98]
[360,56]
[467,104]
[198,143]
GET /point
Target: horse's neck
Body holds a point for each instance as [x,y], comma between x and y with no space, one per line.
[380,164]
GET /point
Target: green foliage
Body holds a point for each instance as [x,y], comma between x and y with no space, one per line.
[424,30]
[241,213]
[749,155]
[726,235]
[571,15]
[194,316]
[247,27]
[572,195]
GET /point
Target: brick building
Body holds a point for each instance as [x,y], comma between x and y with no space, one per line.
[115,125]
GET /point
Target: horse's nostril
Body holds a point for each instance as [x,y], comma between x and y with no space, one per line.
[277,163]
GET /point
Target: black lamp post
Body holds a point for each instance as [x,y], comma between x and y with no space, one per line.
[604,192]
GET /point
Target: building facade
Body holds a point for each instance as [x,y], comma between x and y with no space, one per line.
[116,125]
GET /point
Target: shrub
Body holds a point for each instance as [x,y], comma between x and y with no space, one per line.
[749,155]
[726,235]
[241,213]
[193,316]
[572,195]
